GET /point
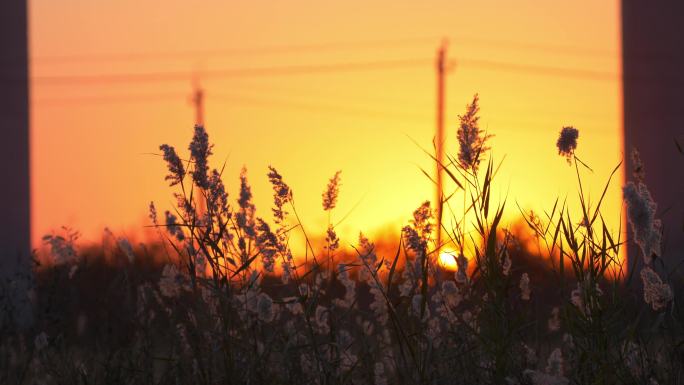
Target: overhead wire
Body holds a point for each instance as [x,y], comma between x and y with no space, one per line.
[234,99]
[325,68]
[320,107]
[108,99]
[304,69]
[243,51]
[338,107]
[175,76]
[324,47]
[533,69]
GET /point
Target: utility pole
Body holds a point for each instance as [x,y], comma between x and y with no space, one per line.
[197,101]
[441,67]
[15,227]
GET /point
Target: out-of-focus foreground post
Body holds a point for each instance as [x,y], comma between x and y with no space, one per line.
[15,244]
[653,89]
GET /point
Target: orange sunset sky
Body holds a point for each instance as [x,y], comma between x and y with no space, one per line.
[537,65]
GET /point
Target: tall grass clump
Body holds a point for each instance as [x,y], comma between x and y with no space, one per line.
[225,297]
[609,331]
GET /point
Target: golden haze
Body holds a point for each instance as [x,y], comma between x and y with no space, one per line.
[537,65]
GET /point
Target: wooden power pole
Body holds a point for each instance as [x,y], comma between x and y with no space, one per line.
[441,68]
[198,102]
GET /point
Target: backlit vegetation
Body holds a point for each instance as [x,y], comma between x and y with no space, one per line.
[232,303]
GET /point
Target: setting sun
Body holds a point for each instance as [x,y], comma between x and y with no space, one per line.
[447,259]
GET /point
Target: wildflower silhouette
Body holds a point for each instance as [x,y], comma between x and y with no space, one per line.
[641,211]
[525,287]
[200,149]
[331,192]
[656,293]
[567,142]
[471,139]
[174,164]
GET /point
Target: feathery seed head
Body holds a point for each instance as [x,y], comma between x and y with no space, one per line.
[200,149]
[282,194]
[173,227]
[172,282]
[174,164]
[265,310]
[332,192]
[656,293]
[471,139]
[461,275]
[153,214]
[638,171]
[217,196]
[245,216]
[567,142]
[331,239]
[267,242]
[525,287]
[641,211]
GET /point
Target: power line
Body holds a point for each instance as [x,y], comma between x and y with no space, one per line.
[319,107]
[540,70]
[290,104]
[156,77]
[305,105]
[110,99]
[323,47]
[534,46]
[324,90]
[183,76]
[238,99]
[263,50]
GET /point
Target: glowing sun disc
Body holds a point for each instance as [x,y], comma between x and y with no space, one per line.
[447,259]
